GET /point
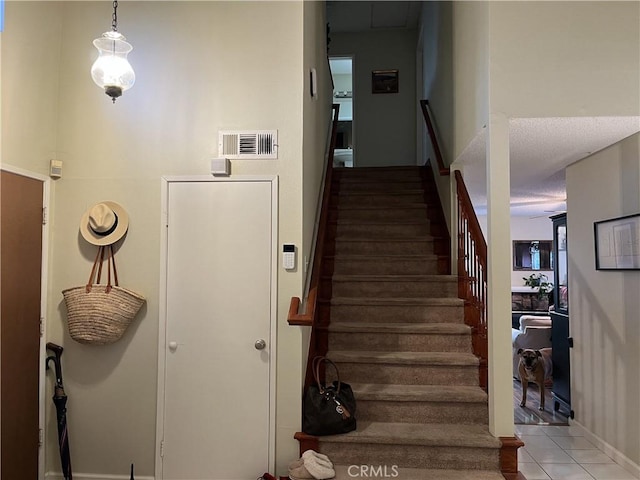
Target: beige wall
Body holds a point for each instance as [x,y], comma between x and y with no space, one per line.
[565,59]
[437,71]
[201,67]
[33,69]
[470,71]
[604,305]
[384,124]
[435,47]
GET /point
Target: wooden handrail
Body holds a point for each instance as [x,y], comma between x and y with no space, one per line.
[472,276]
[472,259]
[442,169]
[308,317]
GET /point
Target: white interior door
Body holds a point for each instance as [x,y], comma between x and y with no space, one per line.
[218,389]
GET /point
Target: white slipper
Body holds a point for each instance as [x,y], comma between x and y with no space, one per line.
[300,473]
[317,468]
[296,464]
[319,456]
[322,459]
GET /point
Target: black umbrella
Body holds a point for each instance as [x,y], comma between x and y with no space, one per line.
[60,401]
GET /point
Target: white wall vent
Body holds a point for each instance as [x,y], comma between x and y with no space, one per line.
[248,144]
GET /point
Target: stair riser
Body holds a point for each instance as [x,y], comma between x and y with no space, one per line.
[394,289]
[411,456]
[372,186]
[422,412]
[351,230]
[377,175]
[408,374]
[385,266]
[341,247]
[401,314]
[377,200]
[396,342]
[378,214]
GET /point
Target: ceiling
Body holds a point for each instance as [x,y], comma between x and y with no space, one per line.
[540,148]
[362,16]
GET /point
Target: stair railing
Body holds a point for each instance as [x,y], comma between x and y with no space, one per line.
[472,258]
[308,317]
[472,275]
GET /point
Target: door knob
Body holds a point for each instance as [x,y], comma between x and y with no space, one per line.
[173,346]
[260,344]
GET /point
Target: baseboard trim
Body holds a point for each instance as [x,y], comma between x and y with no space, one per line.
[617,456]
[93,476]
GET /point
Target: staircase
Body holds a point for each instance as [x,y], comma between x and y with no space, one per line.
[394,326]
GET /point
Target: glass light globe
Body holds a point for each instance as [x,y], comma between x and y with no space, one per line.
[112,70]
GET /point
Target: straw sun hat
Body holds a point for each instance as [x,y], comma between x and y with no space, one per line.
[104,223]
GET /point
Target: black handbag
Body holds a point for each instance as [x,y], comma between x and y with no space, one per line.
[328,409]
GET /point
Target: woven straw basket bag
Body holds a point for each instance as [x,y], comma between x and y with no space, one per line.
[99,314]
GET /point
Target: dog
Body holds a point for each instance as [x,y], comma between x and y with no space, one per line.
[535,366]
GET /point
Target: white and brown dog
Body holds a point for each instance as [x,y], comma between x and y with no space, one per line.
[535,366]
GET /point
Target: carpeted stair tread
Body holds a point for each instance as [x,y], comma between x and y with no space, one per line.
[394,278]
[378,239]
[367,258]
[377,174]
[404,206]
[397,301]
[379,221]
[362,194]
[419,393]
[421,328]
[404,358]
[383,170]
[341,179]
[382,193]
[371,470]
[426,434]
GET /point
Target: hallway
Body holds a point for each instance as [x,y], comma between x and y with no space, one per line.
[555,452]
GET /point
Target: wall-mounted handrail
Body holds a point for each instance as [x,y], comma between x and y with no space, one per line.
[472,275]
[442,169]
[307,318]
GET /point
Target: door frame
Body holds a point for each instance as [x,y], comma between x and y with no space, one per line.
[166,181]
[352,58]
[44,274]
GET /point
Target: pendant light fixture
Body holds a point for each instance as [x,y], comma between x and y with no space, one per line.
[112,70]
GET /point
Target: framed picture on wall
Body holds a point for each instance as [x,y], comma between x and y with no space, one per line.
[617,243]
[384,81]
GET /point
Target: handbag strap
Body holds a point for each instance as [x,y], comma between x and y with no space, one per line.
[97,264]
[316,364]
[113,262]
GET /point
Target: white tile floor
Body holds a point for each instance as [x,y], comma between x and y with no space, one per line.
[563,453]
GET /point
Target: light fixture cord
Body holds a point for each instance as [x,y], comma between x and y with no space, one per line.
[114,17]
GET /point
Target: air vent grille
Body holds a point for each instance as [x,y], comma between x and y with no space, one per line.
[248,144]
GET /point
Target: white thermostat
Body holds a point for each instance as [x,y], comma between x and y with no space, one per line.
[289,256]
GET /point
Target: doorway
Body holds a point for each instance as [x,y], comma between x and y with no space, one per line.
[343,94]
[23,197]
[216,384]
